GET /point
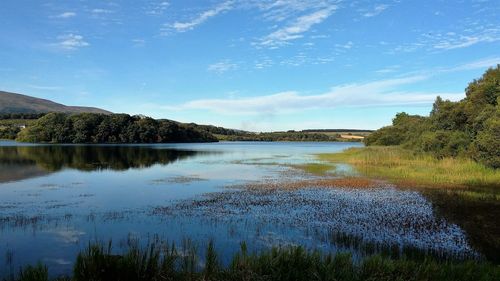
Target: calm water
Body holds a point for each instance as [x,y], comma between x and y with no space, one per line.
[55,199]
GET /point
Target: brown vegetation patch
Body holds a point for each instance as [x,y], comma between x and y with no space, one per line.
[348,182]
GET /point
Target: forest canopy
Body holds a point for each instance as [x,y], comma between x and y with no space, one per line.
[109,128]
[466,128]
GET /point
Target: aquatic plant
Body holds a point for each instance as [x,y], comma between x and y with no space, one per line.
[368,220]
[157,262]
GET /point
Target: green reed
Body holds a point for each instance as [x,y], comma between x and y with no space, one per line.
[163,261]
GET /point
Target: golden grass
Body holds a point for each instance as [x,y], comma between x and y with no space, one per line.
[352,137]
[407,168]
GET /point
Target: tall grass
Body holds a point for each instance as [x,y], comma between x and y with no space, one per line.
[159,262]
[416,169]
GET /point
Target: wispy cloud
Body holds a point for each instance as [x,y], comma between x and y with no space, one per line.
[376,11]
[66,15]
[478,64]
[377,93]
[138,42]
[388,69]
[464,41]
[222,67]
[71,42]
[460,37]
[295,29]
[481,64]
[101,11]
[345,46]
[201,18]
[44,88]
[282,10]
[157,9]
[263,62]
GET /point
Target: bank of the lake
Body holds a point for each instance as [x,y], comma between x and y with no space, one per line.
[464,191]
[408,168]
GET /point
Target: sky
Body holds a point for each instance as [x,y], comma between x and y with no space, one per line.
[258,65]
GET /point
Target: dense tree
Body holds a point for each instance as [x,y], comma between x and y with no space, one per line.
[467,128]
[9,132]
[112,128]
[486,146]
[9,116]
[404,129]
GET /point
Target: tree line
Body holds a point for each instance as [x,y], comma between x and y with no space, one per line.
[467,128]
[281,136]
[109,128]
[240,135]
[9,116]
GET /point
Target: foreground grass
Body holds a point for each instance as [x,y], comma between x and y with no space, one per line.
[163,262]
[413,169]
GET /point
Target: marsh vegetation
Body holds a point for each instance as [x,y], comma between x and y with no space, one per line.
[164,261]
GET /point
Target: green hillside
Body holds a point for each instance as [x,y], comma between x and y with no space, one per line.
[17,103]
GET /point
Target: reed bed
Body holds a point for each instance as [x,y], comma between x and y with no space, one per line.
[165,261]
[378,215]
[416,169]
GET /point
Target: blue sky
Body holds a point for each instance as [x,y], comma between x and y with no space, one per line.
[255,65]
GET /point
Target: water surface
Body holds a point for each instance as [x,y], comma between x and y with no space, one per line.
[54,199]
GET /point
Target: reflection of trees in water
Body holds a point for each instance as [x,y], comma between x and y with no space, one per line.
[90,158]
[15,172]
[475,210]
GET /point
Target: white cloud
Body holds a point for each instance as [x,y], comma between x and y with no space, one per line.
[465,41]
[201,18]
[295,29]
[281,10]
[157,9]
[461,37]
[138,42]
[264,62]
[478,64]
[222,67]
[45,88]
[101,11]
[71,42]
[66,15]
[376,11]
[378,93]
[388,69]
[346,46]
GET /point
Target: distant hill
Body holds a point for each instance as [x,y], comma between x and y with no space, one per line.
[17,103]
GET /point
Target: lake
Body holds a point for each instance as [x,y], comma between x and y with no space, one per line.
[55,199]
